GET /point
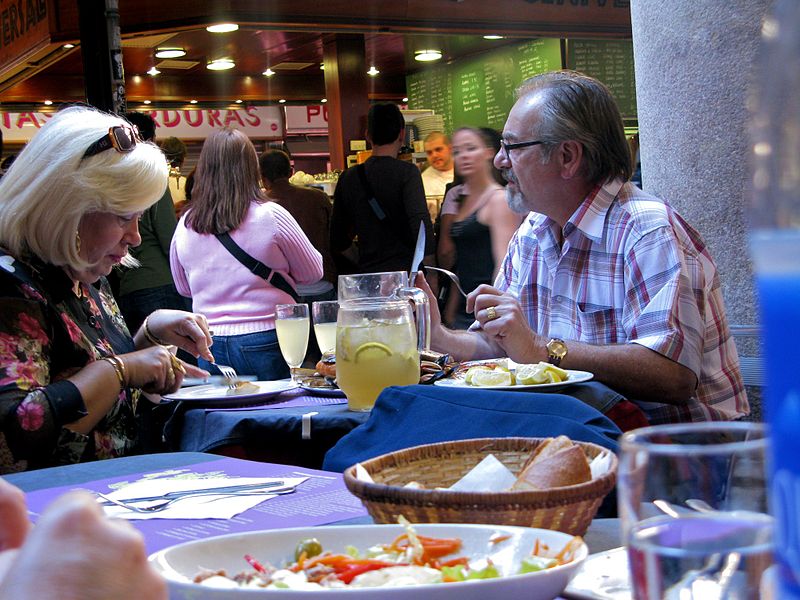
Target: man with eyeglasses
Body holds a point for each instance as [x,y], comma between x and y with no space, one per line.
[601,276]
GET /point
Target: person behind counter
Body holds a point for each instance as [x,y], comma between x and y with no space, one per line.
[239,304]
[601,276]
[440,171]
[70,373]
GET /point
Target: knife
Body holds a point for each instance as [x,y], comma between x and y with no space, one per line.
[419,252]
[222,491]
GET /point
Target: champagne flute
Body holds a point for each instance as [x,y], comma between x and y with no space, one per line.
[292,327]
[325,314]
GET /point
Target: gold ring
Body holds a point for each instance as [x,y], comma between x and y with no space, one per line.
[176,363]
[491,313]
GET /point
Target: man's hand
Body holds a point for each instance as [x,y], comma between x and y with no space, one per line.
[501,318]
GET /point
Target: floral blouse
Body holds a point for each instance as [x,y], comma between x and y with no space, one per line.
[50,328]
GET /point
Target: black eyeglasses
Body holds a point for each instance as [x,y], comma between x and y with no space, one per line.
[509,147]
[121,138]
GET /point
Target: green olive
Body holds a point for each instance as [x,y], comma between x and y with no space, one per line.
[311,547]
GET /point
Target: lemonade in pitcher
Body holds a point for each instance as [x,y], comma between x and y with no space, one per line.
[373,354]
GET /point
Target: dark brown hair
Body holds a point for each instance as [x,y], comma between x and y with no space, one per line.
[226,181]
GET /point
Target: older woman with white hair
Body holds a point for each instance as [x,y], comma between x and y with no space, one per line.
[70,372]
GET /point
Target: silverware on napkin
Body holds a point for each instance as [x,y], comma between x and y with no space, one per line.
[212,490]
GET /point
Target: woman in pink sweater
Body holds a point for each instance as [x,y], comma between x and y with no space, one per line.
[239,305]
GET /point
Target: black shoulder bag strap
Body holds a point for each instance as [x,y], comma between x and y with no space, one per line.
[376,207]
[257,267]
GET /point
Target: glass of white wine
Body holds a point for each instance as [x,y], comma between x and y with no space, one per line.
[292,327]
[325,314]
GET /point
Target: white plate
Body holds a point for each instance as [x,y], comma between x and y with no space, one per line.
[179,564]
[219,392]
[573,377]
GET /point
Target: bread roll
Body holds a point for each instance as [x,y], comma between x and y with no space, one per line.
[555,463]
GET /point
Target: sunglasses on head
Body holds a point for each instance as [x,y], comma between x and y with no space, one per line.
[121,138]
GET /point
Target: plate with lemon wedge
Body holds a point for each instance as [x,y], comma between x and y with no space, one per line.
[505,374]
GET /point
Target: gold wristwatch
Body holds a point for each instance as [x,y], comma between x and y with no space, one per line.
[556,351]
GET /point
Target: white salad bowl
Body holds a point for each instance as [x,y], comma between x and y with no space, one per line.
[179,564]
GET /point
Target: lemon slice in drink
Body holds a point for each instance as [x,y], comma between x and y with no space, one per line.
[486,378]
[372,351]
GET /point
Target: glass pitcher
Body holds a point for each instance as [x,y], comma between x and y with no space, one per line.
[377,344]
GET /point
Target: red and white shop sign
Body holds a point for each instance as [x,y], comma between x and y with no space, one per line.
[307,119]
[258,122]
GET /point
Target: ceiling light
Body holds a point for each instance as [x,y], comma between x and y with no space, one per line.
[238,102]
[192,101]
[269,72]
[493,37]
[427,55]
[221,64]
[170,52]
[222,27]
[282,100]
[153,71]
[322,66]
[324,100]
[372,71]
[68,46]
[146,101]
[48,102]
[405,100]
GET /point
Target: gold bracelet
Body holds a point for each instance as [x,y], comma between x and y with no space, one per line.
[148,335]
[119,369]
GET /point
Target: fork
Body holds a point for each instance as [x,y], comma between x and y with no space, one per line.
[229,373]
[453,277]
[164,504]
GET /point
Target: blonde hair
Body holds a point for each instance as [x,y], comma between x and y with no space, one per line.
[51,186]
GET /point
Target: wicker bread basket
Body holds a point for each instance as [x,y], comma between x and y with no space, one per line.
[569,509]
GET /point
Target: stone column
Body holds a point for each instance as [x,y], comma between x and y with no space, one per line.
[694,63]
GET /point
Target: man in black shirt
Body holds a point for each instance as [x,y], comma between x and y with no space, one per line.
[382,201]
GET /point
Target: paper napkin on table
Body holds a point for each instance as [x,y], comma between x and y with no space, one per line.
[193,507]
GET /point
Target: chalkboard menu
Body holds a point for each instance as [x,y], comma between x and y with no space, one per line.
[480,91]
[610,61]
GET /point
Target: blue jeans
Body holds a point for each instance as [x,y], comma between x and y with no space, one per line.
[250,354]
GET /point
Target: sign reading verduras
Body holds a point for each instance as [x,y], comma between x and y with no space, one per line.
[261,122]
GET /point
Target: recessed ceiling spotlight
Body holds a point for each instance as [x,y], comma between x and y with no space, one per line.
[282,101]
[427,55]
[238,101]
[146,101]
[222,27]
[405,100]
[372,71]
[153,71]
[269,72]
[493,37]
[170,52]
[68,46]
[322,66]
[324,100]
[221,64]
[48,102]
[192,101]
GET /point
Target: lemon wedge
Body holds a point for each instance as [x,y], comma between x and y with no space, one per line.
[540,373]
[486,378]
[471,373]
[372,351]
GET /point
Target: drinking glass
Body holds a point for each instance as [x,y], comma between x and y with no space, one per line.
[325,314]
[292,326]
[693,506]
